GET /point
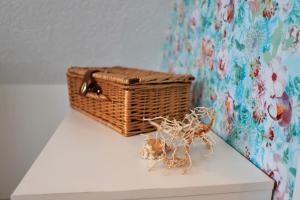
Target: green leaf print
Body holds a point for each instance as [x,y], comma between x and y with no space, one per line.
[293,171]
[285,156]
[239,45]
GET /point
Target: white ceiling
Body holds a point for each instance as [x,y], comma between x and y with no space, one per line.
[40,39]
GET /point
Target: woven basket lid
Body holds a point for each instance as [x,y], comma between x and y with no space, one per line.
[128,76]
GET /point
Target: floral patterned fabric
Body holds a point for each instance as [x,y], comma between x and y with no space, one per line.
[246,57]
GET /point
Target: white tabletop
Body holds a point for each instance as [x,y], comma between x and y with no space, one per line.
[87,160]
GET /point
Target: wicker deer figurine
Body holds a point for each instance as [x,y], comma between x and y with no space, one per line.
[173,139]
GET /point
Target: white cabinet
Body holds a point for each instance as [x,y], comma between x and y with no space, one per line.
[85,160]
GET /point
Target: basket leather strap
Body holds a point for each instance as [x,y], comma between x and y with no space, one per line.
[90,88]
[89,83]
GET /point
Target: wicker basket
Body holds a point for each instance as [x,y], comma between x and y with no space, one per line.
[124,96]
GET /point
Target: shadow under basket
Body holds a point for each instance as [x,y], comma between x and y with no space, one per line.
[122,97]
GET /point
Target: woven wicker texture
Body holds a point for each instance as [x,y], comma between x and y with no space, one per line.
[129,95]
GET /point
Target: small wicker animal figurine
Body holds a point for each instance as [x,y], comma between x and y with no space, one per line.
[171,144]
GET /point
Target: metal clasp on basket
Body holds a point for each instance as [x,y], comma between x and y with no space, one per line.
[89,84]
[90,88]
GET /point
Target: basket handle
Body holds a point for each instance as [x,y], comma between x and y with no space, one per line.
[90,88]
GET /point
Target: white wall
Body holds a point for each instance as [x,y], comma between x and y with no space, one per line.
[39,39]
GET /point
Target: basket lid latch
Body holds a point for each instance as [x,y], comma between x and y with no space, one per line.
[89,84]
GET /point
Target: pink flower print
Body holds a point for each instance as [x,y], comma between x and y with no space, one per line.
[208,51]
[176,42]
[270,9]
[218,7]
[218,14]
[281,110]
[195,17]
[259,90]
[224,35]
[181,11]
[258,115]
[218,24]
[293,34]
[222,63]
[254,6]
[228,112]
[269,137]
[229,12]
[276,77]
[255,68]
[212,95]
[187,45]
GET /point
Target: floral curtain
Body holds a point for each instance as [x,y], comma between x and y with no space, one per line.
[246,57]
